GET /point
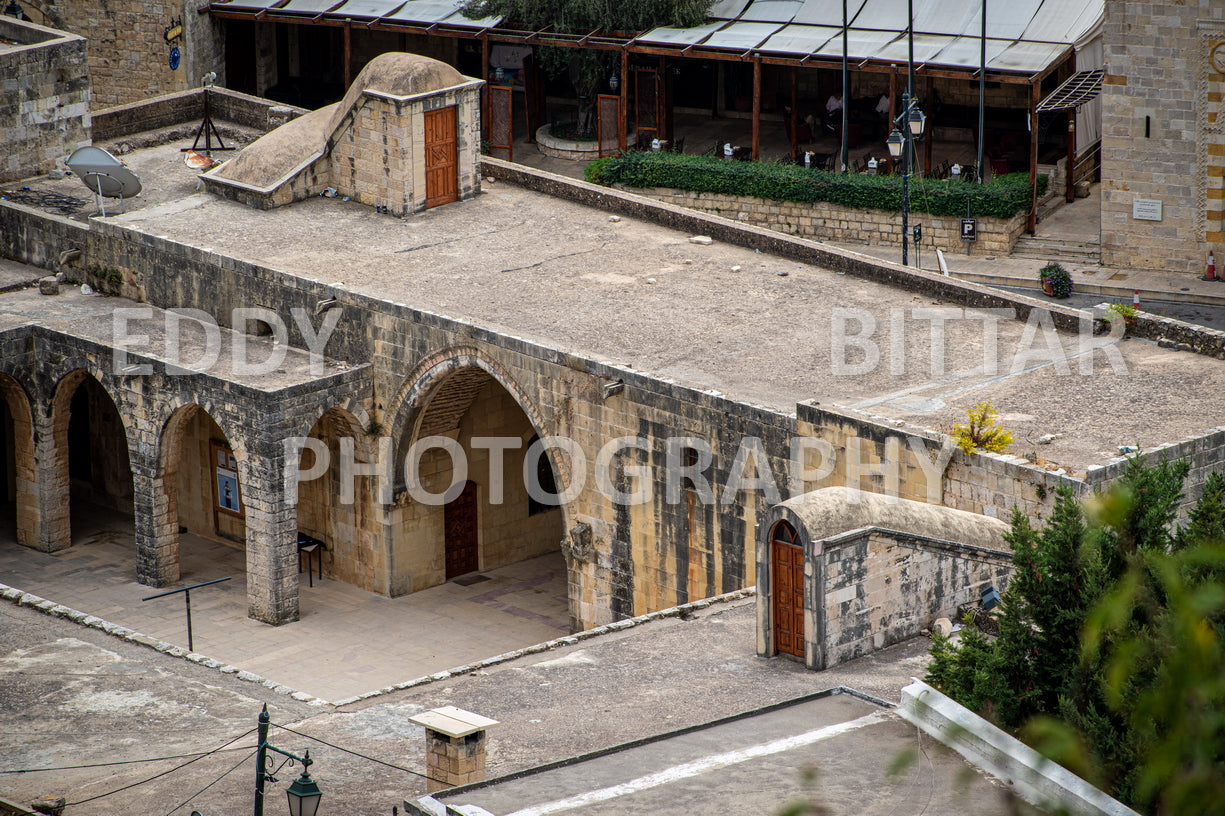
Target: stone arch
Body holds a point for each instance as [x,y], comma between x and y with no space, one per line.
[186,491]
[18,465]
[348,525]
[91,459]
[429,375]
[461,394]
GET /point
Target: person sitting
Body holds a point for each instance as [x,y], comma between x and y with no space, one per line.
[833,111]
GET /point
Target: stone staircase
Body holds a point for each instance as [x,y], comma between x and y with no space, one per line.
[1067,250]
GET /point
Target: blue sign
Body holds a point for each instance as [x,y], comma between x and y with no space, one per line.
[174,59]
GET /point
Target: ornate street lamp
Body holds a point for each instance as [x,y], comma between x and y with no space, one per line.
[907,127]
[303,793]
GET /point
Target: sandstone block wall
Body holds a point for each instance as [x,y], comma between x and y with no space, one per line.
[44,107]
[129,56]
[882,587]
[829,222]
[1163,135]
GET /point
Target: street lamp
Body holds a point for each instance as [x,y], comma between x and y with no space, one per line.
[303,793]
[908,126]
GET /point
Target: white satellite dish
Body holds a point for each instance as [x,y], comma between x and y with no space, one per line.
[104,175]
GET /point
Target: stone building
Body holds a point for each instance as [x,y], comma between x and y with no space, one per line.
[369,372]
[136,49]
[1163,135]
[45,109]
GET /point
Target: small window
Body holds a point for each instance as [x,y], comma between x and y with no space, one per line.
[546,483]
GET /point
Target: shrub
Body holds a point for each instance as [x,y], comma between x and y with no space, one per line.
[982,432]
[1061,281]
[1003,197]
[1125,310]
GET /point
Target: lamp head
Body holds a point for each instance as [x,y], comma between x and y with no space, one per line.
[894,143]
[614,82]
[304,796]
[917,121]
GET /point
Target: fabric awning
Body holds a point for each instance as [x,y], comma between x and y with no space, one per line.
[1023,36]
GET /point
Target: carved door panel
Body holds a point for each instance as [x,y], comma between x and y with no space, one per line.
[787,574]
[441,157]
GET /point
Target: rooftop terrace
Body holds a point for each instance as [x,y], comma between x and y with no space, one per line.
[757,327]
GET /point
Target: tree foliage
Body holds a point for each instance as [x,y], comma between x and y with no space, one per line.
[588,68]
[1110,656]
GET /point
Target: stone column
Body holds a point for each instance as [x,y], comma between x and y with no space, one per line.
[272,533]
[156,523]
[53,530]
[454,746]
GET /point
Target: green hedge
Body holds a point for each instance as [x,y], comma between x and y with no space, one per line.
[1002,197]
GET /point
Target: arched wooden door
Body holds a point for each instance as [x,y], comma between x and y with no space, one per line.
[787,576]
[461,522]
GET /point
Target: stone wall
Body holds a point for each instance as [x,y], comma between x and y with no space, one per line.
[129,56]
[882,587]
[1163,135]
[44,107]
[188,106]
[829,222]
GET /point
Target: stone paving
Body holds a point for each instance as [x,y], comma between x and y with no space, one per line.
[359,641]
[76,696]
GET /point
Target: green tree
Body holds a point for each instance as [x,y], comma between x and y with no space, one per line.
[1109,656]
[587,68]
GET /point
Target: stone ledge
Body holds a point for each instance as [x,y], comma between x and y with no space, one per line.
[1037,780]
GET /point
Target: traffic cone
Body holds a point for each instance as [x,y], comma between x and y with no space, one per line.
[1211,274]
[1135,298]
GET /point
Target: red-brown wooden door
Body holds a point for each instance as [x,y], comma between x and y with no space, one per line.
[460,534]
[787,574]
[441,157]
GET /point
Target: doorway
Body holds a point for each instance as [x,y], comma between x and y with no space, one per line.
[441,158]
[787,574]
[460,534]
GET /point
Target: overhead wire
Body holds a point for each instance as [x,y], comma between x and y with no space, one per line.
[215,781]
[163,773]
[359,755]
[117,762]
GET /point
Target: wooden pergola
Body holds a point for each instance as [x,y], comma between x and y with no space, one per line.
[1016,62]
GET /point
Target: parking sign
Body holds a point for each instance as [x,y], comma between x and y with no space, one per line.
[969,229]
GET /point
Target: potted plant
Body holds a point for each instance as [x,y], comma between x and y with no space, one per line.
[1056,281]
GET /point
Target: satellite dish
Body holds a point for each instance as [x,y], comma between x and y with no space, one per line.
[104,175]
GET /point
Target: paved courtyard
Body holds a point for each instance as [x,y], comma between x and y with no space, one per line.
[359,641]
[116,719]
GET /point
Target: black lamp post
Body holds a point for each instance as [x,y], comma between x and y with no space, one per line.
[908,126]
[303,793]
[13,10]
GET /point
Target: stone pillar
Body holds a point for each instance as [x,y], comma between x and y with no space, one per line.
[454,746]
[156,523]
[272,534]
[53,531]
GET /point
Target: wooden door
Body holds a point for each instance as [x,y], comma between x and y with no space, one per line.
[787,574]
[441,157]
[608,124]
[501,122]
[460,534]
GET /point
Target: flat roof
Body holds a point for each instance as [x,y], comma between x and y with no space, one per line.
[759,328]
[752,764]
